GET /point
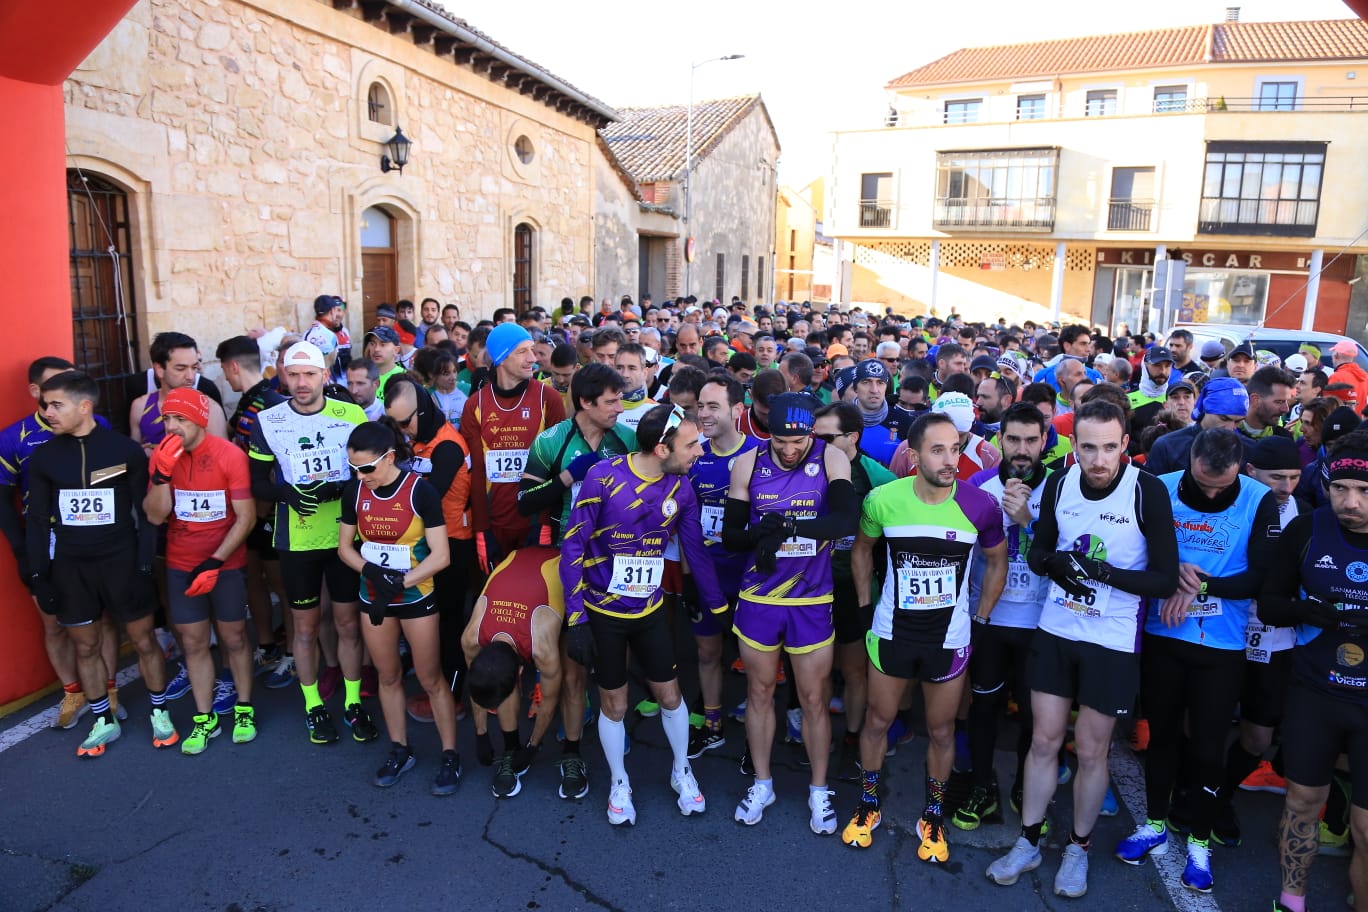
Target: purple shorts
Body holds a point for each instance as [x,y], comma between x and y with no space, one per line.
[797,628]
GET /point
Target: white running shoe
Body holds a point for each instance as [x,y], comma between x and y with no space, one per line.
[691,799]
[752,807]
[620,807]
[823,821]
[1009,868]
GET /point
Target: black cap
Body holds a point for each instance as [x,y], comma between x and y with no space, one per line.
[983,362]
[1244,348]
[1158,354]
[386,310]
[1274,453]
[325,303]
[1180,385]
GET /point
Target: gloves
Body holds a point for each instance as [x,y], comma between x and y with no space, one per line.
[1063,568]
[523,757]
[204,577]
[385,584]
[769,524]
[164,457]
[1092,569]
[767,551]
[579,644]
[484,748]
[488,551]
[325,491]
[301,500]
[1330,615]
[581,464]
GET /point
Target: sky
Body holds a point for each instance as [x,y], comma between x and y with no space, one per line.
[819,67]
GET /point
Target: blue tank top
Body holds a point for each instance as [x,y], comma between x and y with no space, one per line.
[1219,544]
[803,576]
[1333,662]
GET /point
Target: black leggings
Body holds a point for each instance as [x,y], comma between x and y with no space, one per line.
[449,586]
[997,665]
[1180,681]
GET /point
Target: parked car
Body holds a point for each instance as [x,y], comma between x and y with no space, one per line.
[1282,342]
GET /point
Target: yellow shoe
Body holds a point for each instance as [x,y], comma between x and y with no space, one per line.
[859,833]
[74,705]
[933,848]
[1334,844]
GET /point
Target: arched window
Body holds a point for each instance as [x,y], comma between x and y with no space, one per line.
[522,267]
[379,108]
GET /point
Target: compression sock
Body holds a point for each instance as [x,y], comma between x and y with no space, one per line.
[869,794]
[613,738]
[676,724]
[712,718]
[935,797]
[1292,903]
[1031,832]
[312,700]
[510,739]
[100,707]
[352,689]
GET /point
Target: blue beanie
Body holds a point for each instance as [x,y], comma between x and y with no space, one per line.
[1222,396]
[503,339]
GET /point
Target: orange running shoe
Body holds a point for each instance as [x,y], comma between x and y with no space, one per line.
[1264,779]
[1139,739]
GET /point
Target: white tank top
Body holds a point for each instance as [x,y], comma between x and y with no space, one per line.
[1108,530]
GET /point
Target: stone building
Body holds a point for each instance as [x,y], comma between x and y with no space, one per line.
[641,236]
[229,153]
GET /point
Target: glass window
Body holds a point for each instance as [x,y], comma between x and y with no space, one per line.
[1261,188]
[965,110]
[876,199]
[998,188]
[376,228]
[1170,98]
[1101,103]
[1224,297]
[1277,96]
[378,107]
[1030,107]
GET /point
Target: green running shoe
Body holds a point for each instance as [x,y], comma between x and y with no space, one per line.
[981,804]
[206,728]
[163,729]
[244,724]
[101,733]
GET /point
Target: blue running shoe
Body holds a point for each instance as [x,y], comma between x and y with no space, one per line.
[1149,838]
[895,734]
[225,696]
[738,712]
[284,674]
[179,685]
[1065,772]
[1109,805]
[1197,874]
[793,726]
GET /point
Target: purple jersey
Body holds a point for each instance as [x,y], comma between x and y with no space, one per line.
[803,576]
[150,423]
[711,477]
[613,553]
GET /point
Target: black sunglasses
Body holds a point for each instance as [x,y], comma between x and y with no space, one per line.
[367,467]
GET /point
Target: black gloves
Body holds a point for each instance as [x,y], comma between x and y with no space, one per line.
[306,499]
[385,584]
[1066,569]
[767,536]
[579,644]
[769,524]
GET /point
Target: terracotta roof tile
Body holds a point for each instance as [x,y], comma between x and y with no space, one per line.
[649,142]
[1226,42]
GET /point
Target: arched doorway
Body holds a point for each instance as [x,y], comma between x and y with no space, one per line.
[522,267]
[379,262]
[104,332]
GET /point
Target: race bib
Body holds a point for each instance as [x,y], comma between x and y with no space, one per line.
[201,506]
[86,506]
[1261,640]
[320,464]
[505,466]
[712,523]
[798,547]
[926,588]
[845,544]
[1204,606]
[636,577]
[1021,583]
[391,557]
[1092,605]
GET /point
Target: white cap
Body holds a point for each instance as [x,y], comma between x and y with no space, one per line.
[958,407]
[303,354]
[1296,363]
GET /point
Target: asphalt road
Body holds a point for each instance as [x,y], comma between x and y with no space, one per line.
[281,824]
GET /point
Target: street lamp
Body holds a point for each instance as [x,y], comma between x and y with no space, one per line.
[689,247]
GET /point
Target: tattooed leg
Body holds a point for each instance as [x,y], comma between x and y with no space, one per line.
[1299,834]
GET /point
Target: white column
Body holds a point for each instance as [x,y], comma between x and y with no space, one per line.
[1057,285]
[1312,290]
[935,274]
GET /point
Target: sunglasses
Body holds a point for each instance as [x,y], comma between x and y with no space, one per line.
[829,438]
[672,424]
[367,467]
[407,421]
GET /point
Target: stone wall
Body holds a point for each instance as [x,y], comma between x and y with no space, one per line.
[240,130]
[620,223]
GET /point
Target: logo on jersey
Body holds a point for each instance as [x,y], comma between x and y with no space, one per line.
[1357,572]
[811,469]
[1350,655]
[1114,518]
[1326,562]
[1090,546]
[669,507]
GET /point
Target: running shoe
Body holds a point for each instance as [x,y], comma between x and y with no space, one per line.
[359,721]
[163,729]
[859,833]
[697,720]
[1109,806]
[400,761]
[1197,873]
[321,727]
[244,724]
[981,804]
[420,708]
[620,807]
[752,807]
[265,659]
[739,667]
[206,728]
[119,712]
[1140,735]
[1225,828]
[1148,839]
[73,706]
[648,709]
[933,848]
[507,782]
[448,774]
[1264,779]
[225,695]
[329,679]
[574,777]
[179,685]
[738,712]
[370,681]
[536,700]
[1065,772]
[837,706]
[1071,880]
[1014,798]
[1334,844]
[284,674]
[895,737]
[780,678]
[1008,869]
[793,729]
[690,799]
[848,767]
[702,740]
[101,734]
[747,768]
[823,816]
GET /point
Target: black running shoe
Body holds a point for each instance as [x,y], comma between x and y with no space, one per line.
[507,783]
[747,768]
[362,728]
[702,740]
[574,777]
[400,761]
[321,727]
[449,776]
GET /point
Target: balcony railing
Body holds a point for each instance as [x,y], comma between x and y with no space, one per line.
[876,213]
[1302,103]
[1129,214]
[1027,214]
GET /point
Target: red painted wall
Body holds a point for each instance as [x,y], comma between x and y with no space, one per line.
[1332,301]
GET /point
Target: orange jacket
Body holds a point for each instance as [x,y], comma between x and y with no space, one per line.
[1357,378]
